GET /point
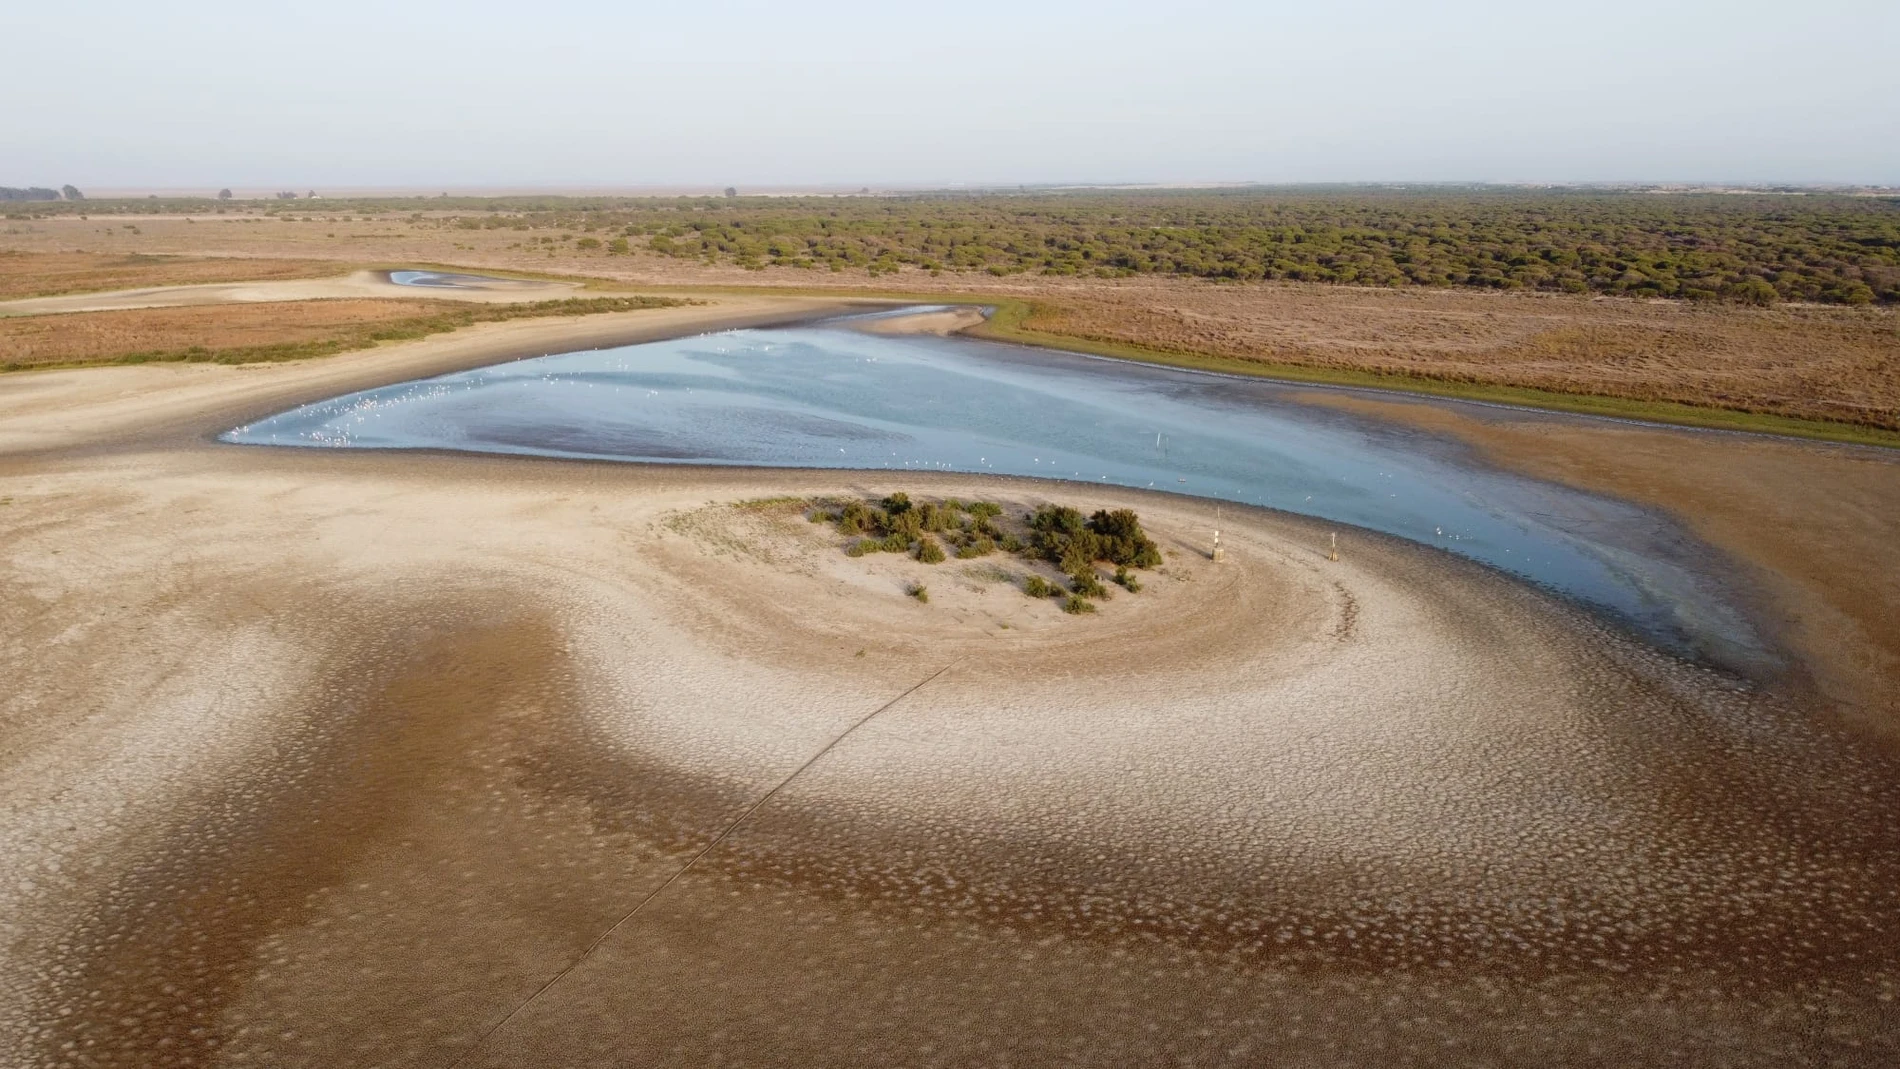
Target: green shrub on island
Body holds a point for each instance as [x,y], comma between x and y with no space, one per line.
[858,518]
[1076,605]
[1121,539]
[941,517]
[1060,535]
[975,547]
[1057,534]
[907,523]
[919,591]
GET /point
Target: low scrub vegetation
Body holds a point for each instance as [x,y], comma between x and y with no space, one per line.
[1062,537]
[929,551]
[1758,247]
[1054,534]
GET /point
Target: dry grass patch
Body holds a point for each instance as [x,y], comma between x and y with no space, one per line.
[1832,363]
[245,333]
[97,337]
[47,274]
[1806,362]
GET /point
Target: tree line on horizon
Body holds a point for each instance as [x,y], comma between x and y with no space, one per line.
[1754,248]
[66,192]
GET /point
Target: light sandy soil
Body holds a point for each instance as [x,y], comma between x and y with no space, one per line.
[948,321]
[316,757]
[357,284]
[1816,526]
[63,408]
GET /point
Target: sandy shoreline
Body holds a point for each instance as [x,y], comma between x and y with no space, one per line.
[338,757]
[944,322]
[171,404]
[1814,527]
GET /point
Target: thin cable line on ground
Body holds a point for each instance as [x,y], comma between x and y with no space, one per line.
[694,860]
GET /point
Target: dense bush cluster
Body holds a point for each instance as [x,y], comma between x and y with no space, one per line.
[1756,247]
[1062,537]
[896,525]
[1752,248]
[1054,533]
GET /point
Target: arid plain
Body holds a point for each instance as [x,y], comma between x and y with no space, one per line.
[332,757]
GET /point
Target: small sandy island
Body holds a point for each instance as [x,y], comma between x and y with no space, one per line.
[936,321]
[323,757]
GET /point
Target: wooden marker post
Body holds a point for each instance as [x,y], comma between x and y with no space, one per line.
[1333,554]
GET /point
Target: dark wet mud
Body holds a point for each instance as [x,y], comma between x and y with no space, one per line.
[418,876]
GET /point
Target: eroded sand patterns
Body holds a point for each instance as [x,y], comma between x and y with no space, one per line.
[1392,808]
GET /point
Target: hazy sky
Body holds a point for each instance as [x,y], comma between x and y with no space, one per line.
[342,93]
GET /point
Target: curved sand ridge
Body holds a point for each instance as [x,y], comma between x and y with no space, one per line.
[340,758]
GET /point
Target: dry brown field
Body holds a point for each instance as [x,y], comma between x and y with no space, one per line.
[46,274]
[99,337]
[1806,362]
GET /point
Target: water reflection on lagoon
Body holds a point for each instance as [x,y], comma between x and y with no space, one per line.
[830,397]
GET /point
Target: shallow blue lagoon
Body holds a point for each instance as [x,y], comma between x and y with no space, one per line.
[448,280]
[830,397]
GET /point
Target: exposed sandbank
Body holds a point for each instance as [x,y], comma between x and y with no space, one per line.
[333,757]
[1817,526]
[942,322]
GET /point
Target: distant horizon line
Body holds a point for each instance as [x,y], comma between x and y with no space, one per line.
[249,191]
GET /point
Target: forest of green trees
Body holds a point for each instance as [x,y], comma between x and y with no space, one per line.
[1752,247]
